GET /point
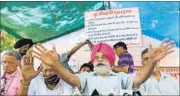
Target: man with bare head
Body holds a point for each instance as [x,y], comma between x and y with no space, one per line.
[11,77]
[158,83]
[45,81]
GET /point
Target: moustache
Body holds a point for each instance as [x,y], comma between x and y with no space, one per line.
[100,64]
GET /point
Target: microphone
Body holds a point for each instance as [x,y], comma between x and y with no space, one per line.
[95,93]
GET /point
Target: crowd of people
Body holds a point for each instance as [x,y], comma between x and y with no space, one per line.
[96,77]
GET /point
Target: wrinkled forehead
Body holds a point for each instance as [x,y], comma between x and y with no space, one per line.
[101,57]
[99,54]
[9,58]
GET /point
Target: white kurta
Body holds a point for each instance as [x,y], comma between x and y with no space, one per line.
[113,83]
[167,85]
[38,87]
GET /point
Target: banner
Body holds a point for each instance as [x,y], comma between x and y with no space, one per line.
[174,71]
[112,26]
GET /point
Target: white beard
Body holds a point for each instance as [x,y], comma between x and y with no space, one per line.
[102,70]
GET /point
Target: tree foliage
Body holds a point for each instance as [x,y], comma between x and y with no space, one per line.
[6,41]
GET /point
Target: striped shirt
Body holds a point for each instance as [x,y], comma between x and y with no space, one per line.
[126,59]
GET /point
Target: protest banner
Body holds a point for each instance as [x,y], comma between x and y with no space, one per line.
[112,26]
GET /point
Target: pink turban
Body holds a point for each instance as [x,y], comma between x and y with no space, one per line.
[106,50]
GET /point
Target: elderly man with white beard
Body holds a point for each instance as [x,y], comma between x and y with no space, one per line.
[103,79]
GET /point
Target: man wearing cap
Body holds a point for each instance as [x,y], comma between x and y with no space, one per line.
[23,45]
[102,78]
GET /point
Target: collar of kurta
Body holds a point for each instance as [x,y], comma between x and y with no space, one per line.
[163,76]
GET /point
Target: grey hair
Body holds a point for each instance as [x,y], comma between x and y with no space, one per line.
[13,53]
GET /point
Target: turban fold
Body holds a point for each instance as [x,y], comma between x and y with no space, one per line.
[23,42]
[106,50]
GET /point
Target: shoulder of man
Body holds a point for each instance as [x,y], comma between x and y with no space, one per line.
[126,54]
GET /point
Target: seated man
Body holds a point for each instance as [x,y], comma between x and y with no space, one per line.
[102,78]
[10,81]
[126,62]
[47,82]
[23,45]
[158,83]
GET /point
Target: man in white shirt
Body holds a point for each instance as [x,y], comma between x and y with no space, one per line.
[158,83]
[103,79]
[45,83]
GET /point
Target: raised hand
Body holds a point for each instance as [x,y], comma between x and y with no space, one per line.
[27,69]
[86,41]
[160,52]
[49,57]
[89,43]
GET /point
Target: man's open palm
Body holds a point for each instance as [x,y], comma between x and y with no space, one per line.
[27,69]
[49,57]
[160,52]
